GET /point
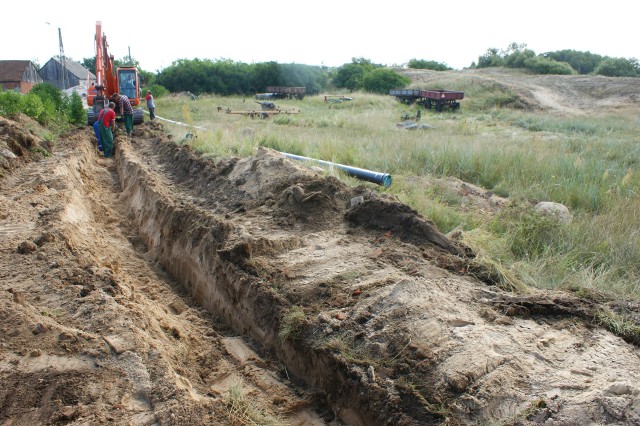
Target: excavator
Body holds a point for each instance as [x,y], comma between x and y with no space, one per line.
[111,80]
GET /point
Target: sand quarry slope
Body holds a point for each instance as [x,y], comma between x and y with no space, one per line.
[163,288]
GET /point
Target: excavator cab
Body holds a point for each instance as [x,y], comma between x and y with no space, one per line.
[128,84]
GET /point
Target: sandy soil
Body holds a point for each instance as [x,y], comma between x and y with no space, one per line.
[162,288]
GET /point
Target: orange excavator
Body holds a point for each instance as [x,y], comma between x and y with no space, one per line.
[111,80]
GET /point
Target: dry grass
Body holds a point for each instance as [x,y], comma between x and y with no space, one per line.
[588,161]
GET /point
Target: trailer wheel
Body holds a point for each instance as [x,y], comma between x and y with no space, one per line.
[439,106]
[428,104]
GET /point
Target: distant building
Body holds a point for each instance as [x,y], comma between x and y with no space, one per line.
[20,76]
[75,75]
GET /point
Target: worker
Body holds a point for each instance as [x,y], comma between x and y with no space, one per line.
[91,91]
[96,128]
[151,105]
[127,112]
[129,88]
[107,126]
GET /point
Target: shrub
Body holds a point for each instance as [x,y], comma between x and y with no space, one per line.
[427,65]
[157,91]
[381,80]
[542,65]
[48,91]
[618,67]
[32,105]
[9,103]
[75,111]
[49,114]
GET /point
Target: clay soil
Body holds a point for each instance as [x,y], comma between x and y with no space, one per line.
[163,288]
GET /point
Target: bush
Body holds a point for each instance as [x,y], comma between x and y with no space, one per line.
[427,65]
[10,103]
[48,91]
[49,114]
[351,76]
[542,65]
[157,91]
[618,67]
[32,105]
[381,80]
[75,111]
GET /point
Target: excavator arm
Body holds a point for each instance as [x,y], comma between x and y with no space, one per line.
[108,79]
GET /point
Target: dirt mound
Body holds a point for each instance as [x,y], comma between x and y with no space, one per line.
[403,221]
[163,287]
[19,145]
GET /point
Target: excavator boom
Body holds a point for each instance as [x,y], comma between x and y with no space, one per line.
[111,80]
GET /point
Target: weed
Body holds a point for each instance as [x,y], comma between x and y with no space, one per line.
[292,324]
[346,346]
[242,411]
[41,151]
[629,330]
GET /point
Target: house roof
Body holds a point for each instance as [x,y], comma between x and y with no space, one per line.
[12,70]
[76,69]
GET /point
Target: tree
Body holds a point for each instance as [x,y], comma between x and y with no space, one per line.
[265,74]
[226,77]
[76,113]
[491,58]
[381,80]
[582,62]
[428,65]
[146,77]
[518,58]
[351,76]
[542,65]
[618,67]
[90,64]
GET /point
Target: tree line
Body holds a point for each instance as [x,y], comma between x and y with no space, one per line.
[226,77]
[565,62]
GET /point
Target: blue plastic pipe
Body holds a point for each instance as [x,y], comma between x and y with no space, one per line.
[363,174]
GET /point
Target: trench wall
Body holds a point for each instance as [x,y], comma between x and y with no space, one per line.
[186,240]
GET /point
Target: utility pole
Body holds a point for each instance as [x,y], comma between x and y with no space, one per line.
[63,77]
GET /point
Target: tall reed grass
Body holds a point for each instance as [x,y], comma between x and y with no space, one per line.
[590,163]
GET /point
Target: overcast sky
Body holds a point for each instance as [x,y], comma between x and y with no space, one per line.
[328,32]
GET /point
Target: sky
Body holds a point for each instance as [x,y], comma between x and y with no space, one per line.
[326,32]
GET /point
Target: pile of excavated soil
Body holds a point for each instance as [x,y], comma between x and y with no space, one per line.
[93,331]
[153,287]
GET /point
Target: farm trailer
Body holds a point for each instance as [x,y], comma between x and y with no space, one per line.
[283,92]
[440,99]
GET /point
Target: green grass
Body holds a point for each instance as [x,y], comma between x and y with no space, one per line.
[589,162]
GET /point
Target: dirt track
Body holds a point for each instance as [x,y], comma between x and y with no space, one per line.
[142,290]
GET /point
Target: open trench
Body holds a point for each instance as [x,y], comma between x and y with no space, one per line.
[194,220]
[203,251]
[363,301]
